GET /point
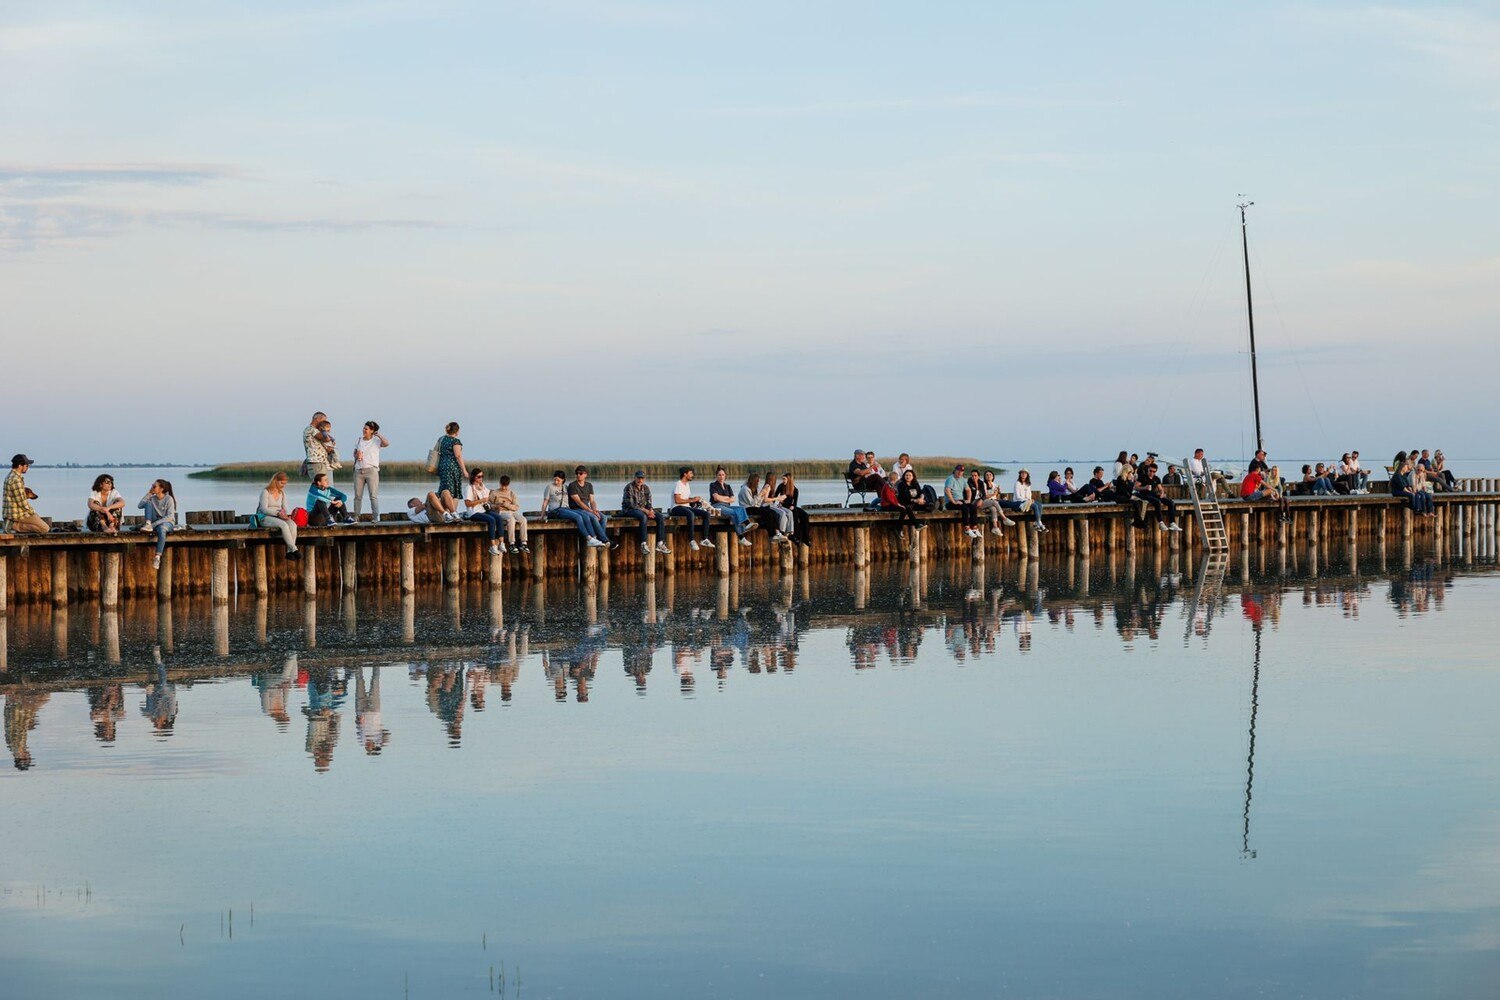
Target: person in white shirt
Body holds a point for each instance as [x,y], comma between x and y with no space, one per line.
[106,506]
[367,467]
[875,469]
[433,512]
[899,470]
[477,508]
[1208,478]
[685,504]
[1023,500]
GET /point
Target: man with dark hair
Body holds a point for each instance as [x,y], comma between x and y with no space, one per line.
[1093,491]
[636,503]
[721,495]
[685,504]
[580,493]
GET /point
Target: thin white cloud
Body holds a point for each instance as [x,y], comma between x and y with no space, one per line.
[1462,43]
[896,105]
[43,180]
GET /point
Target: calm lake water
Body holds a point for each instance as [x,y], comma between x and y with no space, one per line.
[1064,784]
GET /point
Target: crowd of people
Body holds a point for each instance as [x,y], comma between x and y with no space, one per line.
[770,502]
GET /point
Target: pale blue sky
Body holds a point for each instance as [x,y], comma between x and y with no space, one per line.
[592,229]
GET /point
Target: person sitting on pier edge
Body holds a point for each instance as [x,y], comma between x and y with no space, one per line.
[1258,464]
[1093,491]
[1122,490]
[580,494]
[1148,488]
[1023,500]
[685,504]
[106,506]
[964,496]
[1055,488]
[505,505]
[452,473]
[1257,486]
[898,471]
[431,512]
[953,488]
[756,499]
[316,448]
[1441,478]
[910,501]
[326,505]
[1069,488]
[274,513]
[1121,461]
[1173,476]
[160,506]
[992,503]
[1357,479]
[1402,486]
[636,502]
[477,500]
[721,495]
[17,513]
[786,495]
[367,466]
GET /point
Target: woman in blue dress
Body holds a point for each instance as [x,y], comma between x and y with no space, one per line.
[451,472]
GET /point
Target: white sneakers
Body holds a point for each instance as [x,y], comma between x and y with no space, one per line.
[494,549]
[594,543]
[662,548]
[745,541]
[779,538]
[708,544]
[996,530]
[693,545]
[645,548]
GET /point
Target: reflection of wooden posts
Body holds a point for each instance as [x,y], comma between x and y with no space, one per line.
[408,566]
[109,583]
[219,576]
[259,569]
[350,568]
[310,571]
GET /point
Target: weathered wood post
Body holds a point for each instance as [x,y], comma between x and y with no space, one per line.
[258,567]
[588,561]
[4,575]
[648,562]
[350,569]
[976,550]
[1130,534]
[1085,534]
[164,577]
[861,547]
[219,576]
[408,566]
[1312,526]
[788,559]
[60,576]
[450,562]
[1352,531]
[1406,522]
[539,556]
[109,583]
[721,554]
[1023,539]
[495,573]
[310,573]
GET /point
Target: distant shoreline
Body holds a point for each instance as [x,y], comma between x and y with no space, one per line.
[532,470]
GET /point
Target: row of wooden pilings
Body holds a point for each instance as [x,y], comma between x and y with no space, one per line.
[401,557]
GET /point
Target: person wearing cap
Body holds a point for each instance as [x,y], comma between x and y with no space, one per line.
[721,495]
[953,488]
[17,511]
[636,503]
[860,475]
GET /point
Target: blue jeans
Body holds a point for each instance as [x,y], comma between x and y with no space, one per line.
[492,522]
[587,524]
[161,536]
[645,518]
[1420,500]
[1323,487]
[737,515]
[692,514]
[1036,507]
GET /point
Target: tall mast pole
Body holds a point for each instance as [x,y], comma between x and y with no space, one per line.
[1260,442]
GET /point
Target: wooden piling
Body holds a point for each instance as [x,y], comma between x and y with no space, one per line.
[727,541]
[259,570]
[409,566]
[310,571]
[59,576]
[450,562]
[538,556]
[164,576]
[109,583]
[349,580]
[219,576]
[495,572]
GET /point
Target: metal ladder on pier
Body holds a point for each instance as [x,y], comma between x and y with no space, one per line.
[1206,511]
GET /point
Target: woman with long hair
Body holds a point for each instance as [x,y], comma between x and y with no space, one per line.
[106,506]
[477,500]
[273,513]
[786,495]
[160,506]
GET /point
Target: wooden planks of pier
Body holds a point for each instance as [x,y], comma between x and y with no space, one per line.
[225,561]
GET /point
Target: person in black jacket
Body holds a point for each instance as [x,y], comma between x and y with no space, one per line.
[911,501]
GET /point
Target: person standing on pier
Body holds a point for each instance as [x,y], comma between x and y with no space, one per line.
[317,447]
[367,467]
[451,471]
[18,513]
[685,504]
[636,502]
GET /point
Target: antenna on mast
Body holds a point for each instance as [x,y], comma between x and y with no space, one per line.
[1260,442]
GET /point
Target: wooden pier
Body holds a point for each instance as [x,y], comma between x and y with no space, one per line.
[222,561]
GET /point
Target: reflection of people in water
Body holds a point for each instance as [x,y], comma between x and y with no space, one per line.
[161,700]
[682,662]
[445,699]
[369,726]
[637,655]
[106,708]
[274,689]
[21,708]
[326,693]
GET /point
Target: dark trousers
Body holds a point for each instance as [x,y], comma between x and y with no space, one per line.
[692,514]
[643,519]
[1158,501]
[323,514]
